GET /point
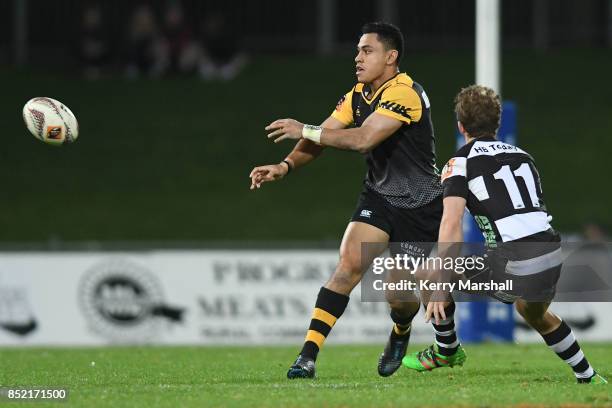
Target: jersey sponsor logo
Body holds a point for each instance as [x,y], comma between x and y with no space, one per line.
[492,149]
[454,167]
[487,230]
[395,108]
[366,213]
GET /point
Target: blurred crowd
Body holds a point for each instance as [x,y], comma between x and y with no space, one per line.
[156,46]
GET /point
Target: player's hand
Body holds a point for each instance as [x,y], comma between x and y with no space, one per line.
[285,129]
[271,172]
[435,310]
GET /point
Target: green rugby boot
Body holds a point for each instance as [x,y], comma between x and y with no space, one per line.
[595,379]
[430,358]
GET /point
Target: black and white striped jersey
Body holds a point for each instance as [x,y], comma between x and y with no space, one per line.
[502,187]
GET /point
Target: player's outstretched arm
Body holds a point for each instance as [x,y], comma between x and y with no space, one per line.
[303,153]
[373,131]
[306,150]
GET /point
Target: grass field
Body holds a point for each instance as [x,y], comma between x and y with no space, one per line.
[494,375]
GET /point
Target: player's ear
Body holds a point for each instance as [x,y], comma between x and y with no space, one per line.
[392,57]
[460,127]
[462,130]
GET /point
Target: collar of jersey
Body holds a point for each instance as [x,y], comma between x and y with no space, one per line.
[384,86]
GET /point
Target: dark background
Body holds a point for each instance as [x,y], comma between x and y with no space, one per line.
[293,26]
[166,160]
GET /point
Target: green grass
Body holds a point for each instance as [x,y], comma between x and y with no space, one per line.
[494,375]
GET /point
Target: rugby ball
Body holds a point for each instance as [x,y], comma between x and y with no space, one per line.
[50,121]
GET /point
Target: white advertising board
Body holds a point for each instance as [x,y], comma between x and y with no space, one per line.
[175,297]
[196,297]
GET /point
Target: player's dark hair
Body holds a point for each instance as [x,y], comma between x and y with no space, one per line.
[478,108]
[388,34]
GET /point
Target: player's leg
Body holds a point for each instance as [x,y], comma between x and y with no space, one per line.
[414,233]
[559,337]
[446,350]
[351,265]
[334,296]
[447,344]
[404,307]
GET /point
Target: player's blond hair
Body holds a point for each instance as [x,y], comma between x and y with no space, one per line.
[478,108]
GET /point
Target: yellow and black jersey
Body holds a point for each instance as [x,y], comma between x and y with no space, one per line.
[403,167]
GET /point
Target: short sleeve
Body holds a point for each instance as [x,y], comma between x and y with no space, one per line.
[400,102]
[344,109]
[454,178]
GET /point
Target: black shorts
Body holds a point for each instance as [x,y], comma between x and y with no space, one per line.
[402,224]
[530,280]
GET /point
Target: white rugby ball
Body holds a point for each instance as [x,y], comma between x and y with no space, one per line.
[50,121]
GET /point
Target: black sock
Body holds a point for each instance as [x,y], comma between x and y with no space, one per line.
[328,308]
[564,344]
[446,337]
[402,326]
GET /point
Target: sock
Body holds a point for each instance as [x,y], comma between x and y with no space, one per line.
[446,337]
[328,308]
[402,326]
[563,342]
[400,330]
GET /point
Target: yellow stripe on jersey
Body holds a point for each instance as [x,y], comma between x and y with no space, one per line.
[316,337]
[399,79]
[400,102]
[324,316]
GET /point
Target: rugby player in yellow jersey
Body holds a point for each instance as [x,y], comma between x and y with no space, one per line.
[386,118]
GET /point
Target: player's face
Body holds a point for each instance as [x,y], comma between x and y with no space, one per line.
[371,58]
